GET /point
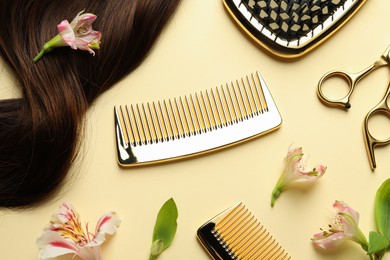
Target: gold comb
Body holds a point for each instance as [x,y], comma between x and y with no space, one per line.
[195,124]
[236,234]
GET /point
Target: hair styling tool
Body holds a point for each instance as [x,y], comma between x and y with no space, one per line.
[236,234]
[290,28]
[195,124]
[352,79]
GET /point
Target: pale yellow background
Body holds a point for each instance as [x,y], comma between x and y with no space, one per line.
[202,48]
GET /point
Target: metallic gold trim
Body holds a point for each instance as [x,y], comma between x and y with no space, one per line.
[236,234]
[317,39]
[196,124]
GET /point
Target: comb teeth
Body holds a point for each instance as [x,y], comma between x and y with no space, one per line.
[194,124]
[173,119]
[236,234]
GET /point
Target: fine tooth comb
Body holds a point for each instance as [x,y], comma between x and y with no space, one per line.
[236,234]
[290,28]
[196,124]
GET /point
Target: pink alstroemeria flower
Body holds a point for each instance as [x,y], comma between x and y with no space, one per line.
[77,34]
[294,172]
[65,235]
[344,226]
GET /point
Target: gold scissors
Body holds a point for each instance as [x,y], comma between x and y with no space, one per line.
[352,80]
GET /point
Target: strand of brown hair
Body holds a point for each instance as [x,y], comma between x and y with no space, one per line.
[40,132]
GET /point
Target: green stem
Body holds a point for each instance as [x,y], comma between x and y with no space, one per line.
[39,55]
[55,42]
[275,194]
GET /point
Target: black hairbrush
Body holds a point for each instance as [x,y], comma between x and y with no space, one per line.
[290,28]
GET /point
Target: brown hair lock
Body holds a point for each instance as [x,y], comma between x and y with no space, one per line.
[39,133]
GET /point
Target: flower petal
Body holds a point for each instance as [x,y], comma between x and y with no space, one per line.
[328,241]
[311,176]
[344,226]
[93,36]
[67,223]
[107,224]
[82,23]
[67,34]
[348,217]
[89,42]
[64,214]
[294,157]
[295,151]
[84,45]
[90,253]
[321,169]
[51,244]
[295,168]
[83,20]
[293,172]
[342,207]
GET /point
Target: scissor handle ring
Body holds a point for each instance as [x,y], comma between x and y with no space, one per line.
[370,140]
[343,102]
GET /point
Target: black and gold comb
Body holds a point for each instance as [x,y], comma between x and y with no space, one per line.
[236,234]
[290,28]
[195,124]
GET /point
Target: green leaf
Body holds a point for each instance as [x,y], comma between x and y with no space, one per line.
[377,243]
[382,209]
[165,228]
